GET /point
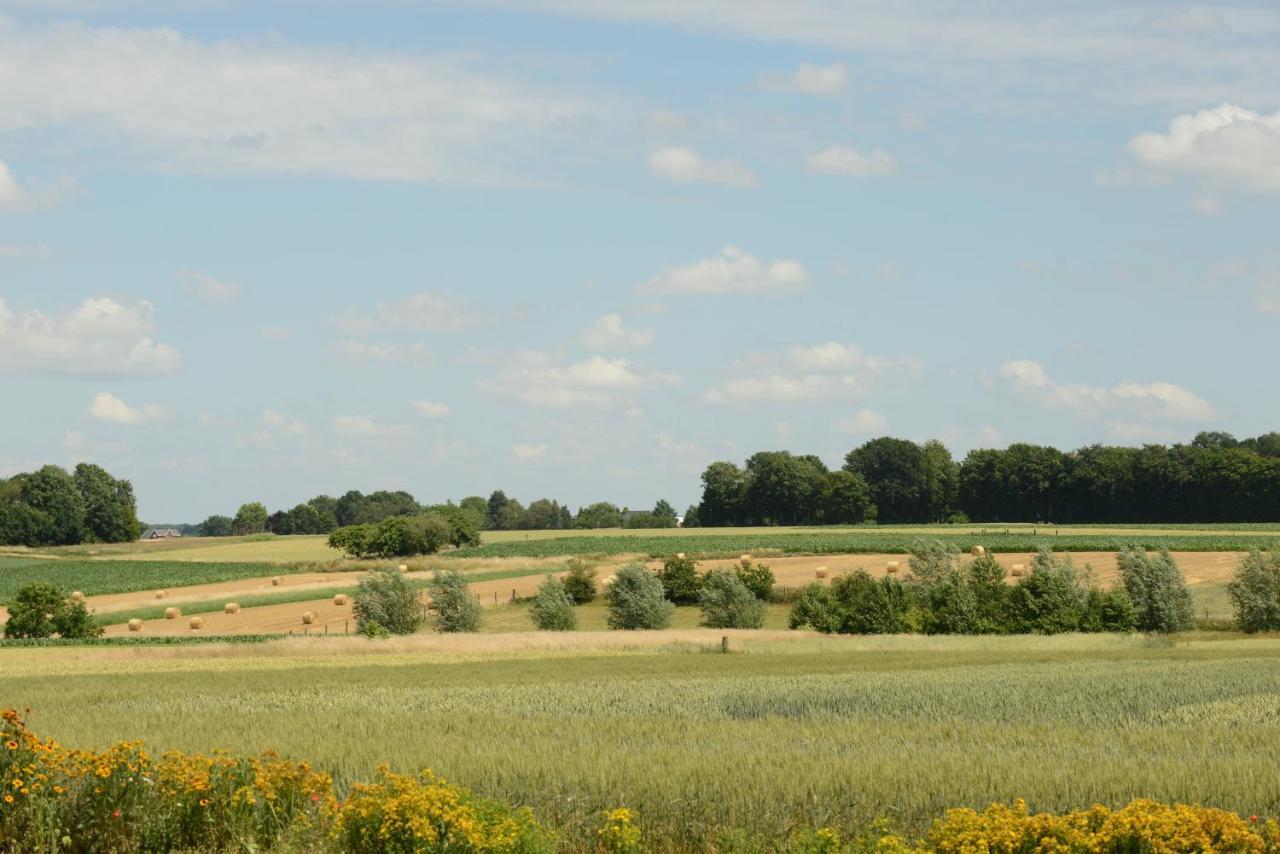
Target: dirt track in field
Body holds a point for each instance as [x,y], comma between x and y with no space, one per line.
[1198,567]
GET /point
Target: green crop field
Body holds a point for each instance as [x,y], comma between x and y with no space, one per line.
[711,748]
[100,577]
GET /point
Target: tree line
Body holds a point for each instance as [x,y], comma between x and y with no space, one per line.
[1214,478]
[325,514]
[53,507]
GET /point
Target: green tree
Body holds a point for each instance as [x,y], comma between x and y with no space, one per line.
[898,475]
[990,595]
[43,610]
[727,603]
[111,512]
[385,602]
[757,577]
[844,499]
[691,517]
[494,506]
[457,609]
[663,510]
[216,526]
[1157,590]
[478,505]
[1255,592]
[781,488]
[868,606]
[52,492]
[552,607]
[251,518]
[636,601]
[724,491]
[602,514]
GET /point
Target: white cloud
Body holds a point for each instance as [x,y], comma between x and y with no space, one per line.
[275,427]
[113,410]
[827,371]
[685,166]
[23,250]
[1206,205]
[843,160]
[541,379]
[206,288]
[733,271]
[529,453]
[428,409]
[863,423]
[1151,400]
[608,334]
[361,353]
[425,311]
[810,80]
[367,427]
[911,120]
[73,440]
[18,198]
[100,337]
[265,106]
[1121,52]
[1229,143]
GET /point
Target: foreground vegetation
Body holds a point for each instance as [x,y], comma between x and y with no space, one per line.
[781,737]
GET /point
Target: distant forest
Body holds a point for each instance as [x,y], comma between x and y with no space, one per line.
[1215,478]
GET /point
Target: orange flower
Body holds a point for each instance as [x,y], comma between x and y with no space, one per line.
[12,745]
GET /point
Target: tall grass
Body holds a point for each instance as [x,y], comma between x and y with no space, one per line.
[820,732]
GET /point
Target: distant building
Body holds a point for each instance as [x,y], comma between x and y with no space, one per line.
[161,533]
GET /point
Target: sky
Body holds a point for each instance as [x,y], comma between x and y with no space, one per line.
[580,249]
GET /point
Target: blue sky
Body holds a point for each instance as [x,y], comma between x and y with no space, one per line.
[258,251]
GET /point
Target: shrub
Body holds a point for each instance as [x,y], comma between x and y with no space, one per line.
[456,609]
[1047,601]
[43,610]
[931,562]
[402,536]
[552,609]
[619,834]
[385,602]
[816,608]
[758,578]
[950,605]
[1108,611]
[872,607]
[990,595]
[728,603]
[680,582]
[1157,590]
[406,814]
[636,600]
[1255,592]
[580,582]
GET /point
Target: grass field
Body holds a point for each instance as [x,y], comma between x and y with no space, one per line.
[709,748]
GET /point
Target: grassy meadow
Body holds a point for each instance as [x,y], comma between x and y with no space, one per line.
[791,731]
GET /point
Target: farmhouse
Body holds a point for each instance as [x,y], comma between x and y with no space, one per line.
[161,533]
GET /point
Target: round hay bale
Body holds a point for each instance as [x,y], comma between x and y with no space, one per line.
[820,572]
[403,567]
[196,623]
[892,568]
[160,594]
[135,625]
[745,557]
[340,599]
[977,551]
[231,608]
[275,582]
[309,618]
[680,555]
[1018,570]
[77,596]
[172,613]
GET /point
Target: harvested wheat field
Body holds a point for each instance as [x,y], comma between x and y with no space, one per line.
[1198,567]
